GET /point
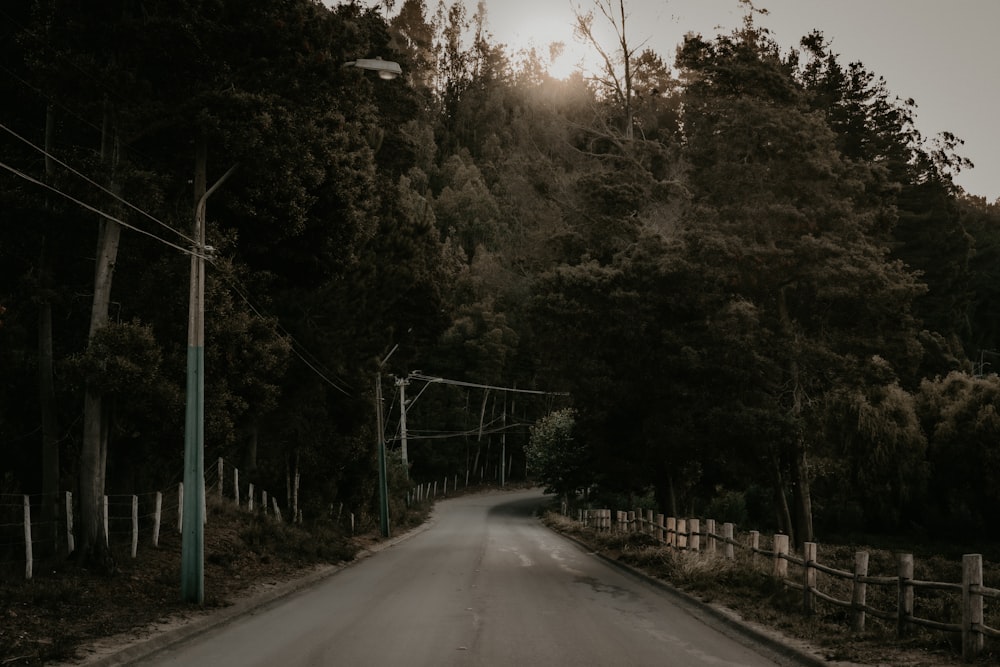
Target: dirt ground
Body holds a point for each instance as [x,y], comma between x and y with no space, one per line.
[63,609]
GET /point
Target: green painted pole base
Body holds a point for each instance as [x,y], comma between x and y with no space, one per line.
[193,532]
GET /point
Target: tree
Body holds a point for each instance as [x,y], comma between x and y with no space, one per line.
[780,223]
[959,414]
[555,457]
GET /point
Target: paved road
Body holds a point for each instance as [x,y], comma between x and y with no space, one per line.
[486,584]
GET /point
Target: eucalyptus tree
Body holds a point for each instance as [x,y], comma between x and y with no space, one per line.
[780,224]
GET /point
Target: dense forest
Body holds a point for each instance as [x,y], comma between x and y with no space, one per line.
[733,280]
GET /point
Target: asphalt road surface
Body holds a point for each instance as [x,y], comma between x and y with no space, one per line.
[486,584]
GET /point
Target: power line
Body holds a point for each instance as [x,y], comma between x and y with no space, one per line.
[230,282]
[460,383]
[107,216]
[323,376]
[96,184]
[458,434]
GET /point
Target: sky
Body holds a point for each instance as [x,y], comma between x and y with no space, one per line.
[945,54]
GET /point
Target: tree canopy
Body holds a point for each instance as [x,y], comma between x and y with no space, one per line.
[749,272]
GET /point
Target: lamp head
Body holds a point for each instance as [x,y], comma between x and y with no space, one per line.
[386,69]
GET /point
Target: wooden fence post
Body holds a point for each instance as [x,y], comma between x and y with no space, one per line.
[277,510]
[250,499]
[904,605]
[221,478]
[135,525]
[754,546]
[972,606]
[709,536]
[28,555]
[682,534]
[780,551]
[650,523]
[70,545]
[727,534]
[659,528]
[860,593]
[236,486]
[352,523]
[808,577]
[263,502]
[671,531]
[632,525]
[445,492]
[694,534]
[107,527]
[157,511]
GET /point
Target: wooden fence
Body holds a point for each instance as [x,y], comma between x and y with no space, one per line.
[689,535]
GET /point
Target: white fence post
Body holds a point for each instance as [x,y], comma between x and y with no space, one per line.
[710,536]
[28,555]
[107,524]
[135,525]
[157,515]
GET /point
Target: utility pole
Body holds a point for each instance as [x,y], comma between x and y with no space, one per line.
[402,384]
[383,490]
[503,445]
[193,537]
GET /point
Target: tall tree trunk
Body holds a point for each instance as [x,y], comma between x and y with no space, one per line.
[46,383]
[803,496]
[784,515]
[93,453]
[800,465]
[250,450]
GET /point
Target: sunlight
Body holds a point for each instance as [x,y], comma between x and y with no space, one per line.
[551,35]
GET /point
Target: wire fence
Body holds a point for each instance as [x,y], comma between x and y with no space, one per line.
[35,527]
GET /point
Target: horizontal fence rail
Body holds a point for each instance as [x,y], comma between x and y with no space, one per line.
[692,535]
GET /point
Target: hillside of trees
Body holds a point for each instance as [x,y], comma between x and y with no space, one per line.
[751,279]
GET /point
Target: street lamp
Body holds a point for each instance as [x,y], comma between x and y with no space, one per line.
[193,530]
[386,69]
